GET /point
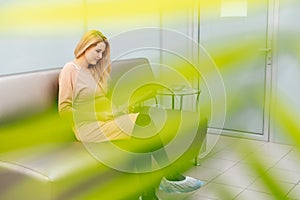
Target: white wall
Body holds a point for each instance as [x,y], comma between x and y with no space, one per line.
[286,97]
[43,34]
[33,34]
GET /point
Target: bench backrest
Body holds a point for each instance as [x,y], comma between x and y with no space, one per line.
[30,93]
[26,94]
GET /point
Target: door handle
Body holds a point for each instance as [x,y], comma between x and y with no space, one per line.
[267,50]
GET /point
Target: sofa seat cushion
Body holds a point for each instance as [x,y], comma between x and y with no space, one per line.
[42,128]
[60,171]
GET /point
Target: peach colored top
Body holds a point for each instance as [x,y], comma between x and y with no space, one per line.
[80,95]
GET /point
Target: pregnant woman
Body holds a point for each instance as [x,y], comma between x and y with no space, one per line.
[83,100]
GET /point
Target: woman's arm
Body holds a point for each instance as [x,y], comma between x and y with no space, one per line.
[65,93]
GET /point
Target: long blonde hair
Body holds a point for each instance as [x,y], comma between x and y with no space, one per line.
[100,71]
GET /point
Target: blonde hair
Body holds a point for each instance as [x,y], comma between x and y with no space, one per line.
[101,70]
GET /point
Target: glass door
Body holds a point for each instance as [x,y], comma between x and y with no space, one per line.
[235,35]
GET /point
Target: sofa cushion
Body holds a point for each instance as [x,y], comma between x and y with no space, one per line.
[61,171]
[26,94]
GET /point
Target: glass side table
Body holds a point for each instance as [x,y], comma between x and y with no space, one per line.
[181,92]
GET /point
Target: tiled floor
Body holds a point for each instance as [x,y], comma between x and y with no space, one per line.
[244,169]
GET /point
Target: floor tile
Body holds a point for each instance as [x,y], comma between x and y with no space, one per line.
[234,169]
[294,154]
[243,169]
[287,164]
[253,195]
[295,193]
[204,173]
[274,150]
[284,175]
[217,163]
[245,146]
[281,187]
[216,143]
[230,155]
[167,196]
[265,162]
[198,198]
[217,191]
[234,179]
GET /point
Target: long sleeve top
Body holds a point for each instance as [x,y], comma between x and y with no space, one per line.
[82,100]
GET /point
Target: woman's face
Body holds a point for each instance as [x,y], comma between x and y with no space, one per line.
[94,53]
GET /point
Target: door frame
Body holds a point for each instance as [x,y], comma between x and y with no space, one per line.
[270,76]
